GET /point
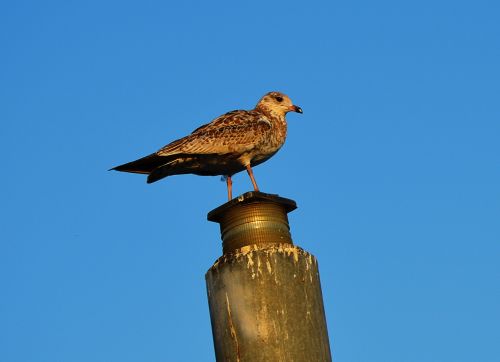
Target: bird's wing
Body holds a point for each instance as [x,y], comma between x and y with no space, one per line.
[236,131]
[229,117]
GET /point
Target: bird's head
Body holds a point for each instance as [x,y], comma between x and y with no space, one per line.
[277,103]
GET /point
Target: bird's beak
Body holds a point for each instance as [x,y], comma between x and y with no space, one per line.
[295,109]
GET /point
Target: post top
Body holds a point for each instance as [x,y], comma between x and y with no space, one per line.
[253,218]
[251,197]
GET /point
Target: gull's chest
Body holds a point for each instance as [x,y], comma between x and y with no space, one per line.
[275,135]
[271,141]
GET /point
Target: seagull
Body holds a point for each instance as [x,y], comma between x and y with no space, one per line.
[231,143]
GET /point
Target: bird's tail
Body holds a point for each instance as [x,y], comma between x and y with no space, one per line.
[143,165]
[158,167]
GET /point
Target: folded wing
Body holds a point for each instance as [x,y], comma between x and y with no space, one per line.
[233,133]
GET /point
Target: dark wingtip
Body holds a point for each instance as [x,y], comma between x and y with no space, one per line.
[159,173]
[152,177]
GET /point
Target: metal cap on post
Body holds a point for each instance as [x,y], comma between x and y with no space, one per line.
[264,293]
[253,218]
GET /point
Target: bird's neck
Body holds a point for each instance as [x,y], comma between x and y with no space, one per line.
[270,113]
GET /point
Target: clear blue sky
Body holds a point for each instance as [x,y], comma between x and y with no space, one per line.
[394,165]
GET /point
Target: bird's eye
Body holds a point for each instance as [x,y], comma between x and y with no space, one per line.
[279,99]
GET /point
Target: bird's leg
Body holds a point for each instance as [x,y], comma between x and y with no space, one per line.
[229,188]
[250,173]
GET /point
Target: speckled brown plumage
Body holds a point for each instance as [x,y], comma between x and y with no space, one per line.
[229,144]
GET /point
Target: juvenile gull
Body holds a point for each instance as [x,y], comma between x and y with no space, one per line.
[229,144]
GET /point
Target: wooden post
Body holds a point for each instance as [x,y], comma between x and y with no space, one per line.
[264,293]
